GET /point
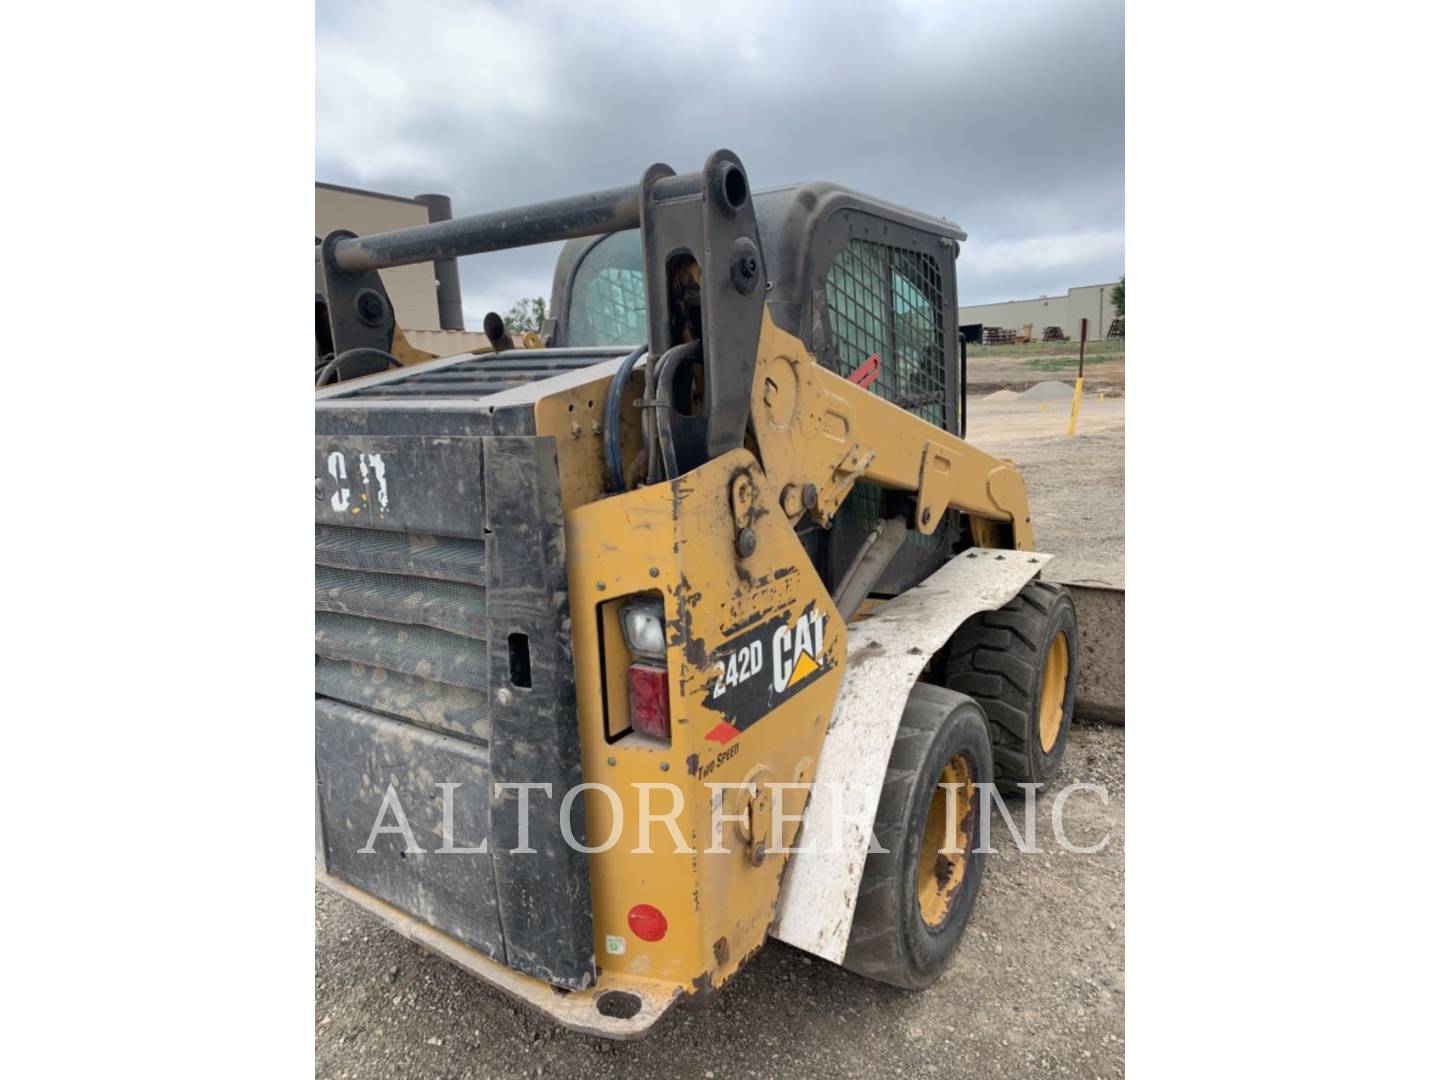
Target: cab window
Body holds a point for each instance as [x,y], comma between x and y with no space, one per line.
[607,297]
[887,301]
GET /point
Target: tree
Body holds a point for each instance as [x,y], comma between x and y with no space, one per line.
[526,315]
[1117,297]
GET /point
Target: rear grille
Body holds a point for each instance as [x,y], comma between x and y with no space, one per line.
[454,710]
[441,605]
[401,629]
[477,376]
[415,650]
[440,557]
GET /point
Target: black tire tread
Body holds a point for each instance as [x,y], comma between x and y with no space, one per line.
[872,948]
[994,658]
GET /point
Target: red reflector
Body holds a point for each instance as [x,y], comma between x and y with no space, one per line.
[647,923]
[650,701]
[722,733]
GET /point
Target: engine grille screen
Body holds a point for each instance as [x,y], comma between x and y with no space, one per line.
[400,627]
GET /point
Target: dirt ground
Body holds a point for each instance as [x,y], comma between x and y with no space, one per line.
[1076,483]
[1036,988]
[1014,367]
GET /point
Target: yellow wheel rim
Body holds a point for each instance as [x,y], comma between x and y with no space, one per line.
[1052,691]
[942,864]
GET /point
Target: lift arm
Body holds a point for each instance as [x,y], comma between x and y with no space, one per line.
[819,433]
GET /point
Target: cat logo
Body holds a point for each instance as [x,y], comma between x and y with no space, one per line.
[794,651]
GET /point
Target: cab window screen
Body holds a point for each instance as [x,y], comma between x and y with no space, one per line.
[886,300]
[607,300]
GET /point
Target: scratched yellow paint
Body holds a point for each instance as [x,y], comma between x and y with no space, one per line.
[718,905]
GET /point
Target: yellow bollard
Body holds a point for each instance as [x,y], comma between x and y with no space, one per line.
[1079,378]
[1075,406]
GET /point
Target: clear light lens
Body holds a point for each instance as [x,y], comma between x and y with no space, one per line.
[644,626]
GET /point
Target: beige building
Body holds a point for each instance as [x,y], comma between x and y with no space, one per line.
[427,295]
[1084,302]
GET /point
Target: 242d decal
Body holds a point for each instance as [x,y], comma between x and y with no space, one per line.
[757,671]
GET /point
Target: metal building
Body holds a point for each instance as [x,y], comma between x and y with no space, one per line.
[1085,301]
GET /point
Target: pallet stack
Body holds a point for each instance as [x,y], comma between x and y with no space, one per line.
[995,335]
[1117,328]
[1054,333]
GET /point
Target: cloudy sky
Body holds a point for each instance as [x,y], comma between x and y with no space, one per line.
[1005,117]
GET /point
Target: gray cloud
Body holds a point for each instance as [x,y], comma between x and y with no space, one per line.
[1007,118]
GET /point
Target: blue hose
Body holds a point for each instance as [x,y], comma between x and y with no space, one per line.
[613,398]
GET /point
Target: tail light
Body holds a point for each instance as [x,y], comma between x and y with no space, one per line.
[650,700]
[638,622]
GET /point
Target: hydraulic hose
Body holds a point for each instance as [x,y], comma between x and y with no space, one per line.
[333,365]
[659,379]
[614,465]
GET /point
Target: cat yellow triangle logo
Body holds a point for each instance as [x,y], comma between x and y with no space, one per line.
[796,652]
[804,665]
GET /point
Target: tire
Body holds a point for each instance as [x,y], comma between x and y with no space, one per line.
[1000,658]
[894,939]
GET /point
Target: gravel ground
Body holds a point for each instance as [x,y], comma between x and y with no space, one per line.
[988,371]
[1036,987]
[1076,483]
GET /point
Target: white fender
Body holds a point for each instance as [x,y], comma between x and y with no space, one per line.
[886,654]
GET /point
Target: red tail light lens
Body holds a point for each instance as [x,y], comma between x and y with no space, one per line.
[650,701]
[647,922]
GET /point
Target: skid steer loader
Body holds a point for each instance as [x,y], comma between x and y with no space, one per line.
[629,645]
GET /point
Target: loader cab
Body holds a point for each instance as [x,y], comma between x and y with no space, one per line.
[852,277]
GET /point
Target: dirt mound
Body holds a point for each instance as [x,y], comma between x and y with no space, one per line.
[1049,391]
[1002,395]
